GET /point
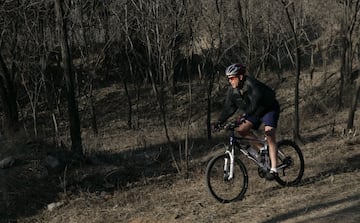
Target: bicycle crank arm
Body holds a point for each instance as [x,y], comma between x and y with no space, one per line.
[282,166]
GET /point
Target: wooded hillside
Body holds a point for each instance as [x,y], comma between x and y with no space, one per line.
[56,53]
[79,78]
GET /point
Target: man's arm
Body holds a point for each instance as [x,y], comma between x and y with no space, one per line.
[228,109]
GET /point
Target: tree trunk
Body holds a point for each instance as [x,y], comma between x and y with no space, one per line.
[73,112]
[210,84]
[8,97]
[128,97]
[92,108]
[352,110]
[343,71]
[324,63]
[349,23]
[296,130]
[296,133]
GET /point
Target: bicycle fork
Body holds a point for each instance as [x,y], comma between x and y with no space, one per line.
[229,165]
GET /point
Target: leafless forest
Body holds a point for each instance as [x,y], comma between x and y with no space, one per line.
[85,83]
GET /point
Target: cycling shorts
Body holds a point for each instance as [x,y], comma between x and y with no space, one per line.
[270,118]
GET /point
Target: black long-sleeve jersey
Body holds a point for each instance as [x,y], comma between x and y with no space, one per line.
[253,98]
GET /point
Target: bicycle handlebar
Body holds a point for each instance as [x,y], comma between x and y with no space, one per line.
[230,126]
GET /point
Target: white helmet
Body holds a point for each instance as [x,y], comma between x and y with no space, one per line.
[235,70]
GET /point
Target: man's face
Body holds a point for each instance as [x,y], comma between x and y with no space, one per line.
[235,80]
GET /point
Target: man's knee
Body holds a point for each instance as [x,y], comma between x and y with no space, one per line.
[244,128]
[270,132]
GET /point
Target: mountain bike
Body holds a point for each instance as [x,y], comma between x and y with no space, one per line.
[227,177]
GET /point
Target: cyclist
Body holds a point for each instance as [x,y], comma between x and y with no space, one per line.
[257,102]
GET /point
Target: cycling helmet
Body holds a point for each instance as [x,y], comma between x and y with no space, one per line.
[235,70]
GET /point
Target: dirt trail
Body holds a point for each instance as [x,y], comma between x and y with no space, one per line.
[329,192]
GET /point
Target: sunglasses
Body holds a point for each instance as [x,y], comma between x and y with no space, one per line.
[232,78]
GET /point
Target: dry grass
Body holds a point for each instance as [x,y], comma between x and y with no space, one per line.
[327,194]
[144,186]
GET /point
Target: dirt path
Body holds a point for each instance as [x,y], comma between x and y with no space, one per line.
[330,192]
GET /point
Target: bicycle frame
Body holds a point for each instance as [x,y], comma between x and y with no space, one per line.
[239,142]
[226,175]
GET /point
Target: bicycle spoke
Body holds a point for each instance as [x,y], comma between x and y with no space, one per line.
[290,163]
[219,184]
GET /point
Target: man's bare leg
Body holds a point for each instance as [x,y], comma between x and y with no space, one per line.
[271,139]
[245,130]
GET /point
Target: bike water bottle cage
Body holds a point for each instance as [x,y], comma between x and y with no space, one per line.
[263,150]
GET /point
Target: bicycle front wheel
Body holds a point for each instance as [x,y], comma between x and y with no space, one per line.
[219,185]
[290,162]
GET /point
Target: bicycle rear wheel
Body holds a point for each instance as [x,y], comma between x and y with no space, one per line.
[219,186]
[290,162]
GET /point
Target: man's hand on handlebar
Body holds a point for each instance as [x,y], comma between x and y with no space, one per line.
[215,127]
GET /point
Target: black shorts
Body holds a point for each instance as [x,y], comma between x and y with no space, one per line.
[270,118]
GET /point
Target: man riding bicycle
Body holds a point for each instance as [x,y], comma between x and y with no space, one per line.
[257,102]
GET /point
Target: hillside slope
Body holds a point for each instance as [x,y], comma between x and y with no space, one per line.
[329,192]
[148,189]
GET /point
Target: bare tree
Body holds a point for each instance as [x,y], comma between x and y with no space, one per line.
[9,47]
[352,109]
[32,59]
[33,88]
[73,113]
[349,27]
[349,23]
[8,97]
[295,30]
[89,16]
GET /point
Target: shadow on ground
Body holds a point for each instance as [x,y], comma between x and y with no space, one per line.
[32,184]
[350,210]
